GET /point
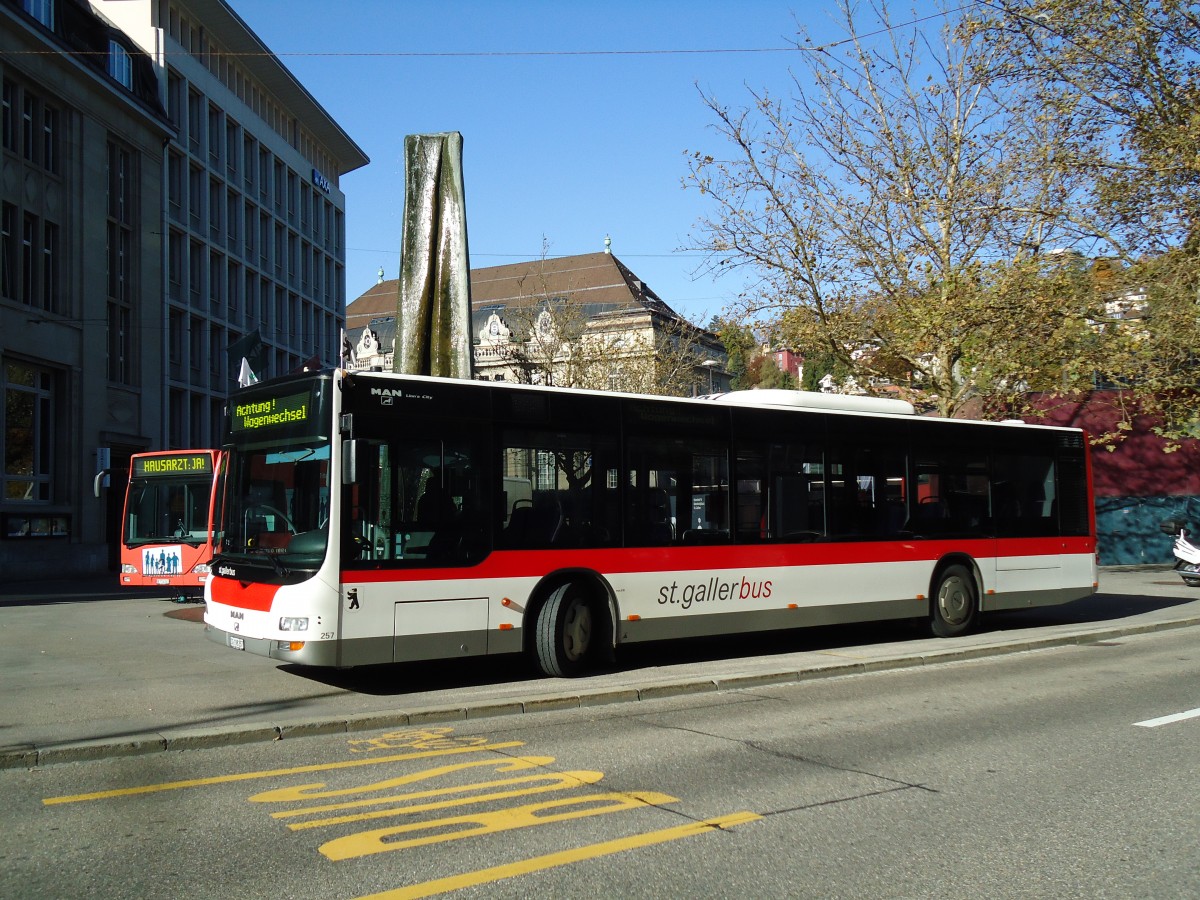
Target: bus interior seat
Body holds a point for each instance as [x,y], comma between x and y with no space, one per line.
[660,529]
[536,525]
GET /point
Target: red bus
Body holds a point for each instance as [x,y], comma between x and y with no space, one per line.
[373,517]
[169,531]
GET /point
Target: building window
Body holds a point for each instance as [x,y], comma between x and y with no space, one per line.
[29,261]
[30,126]
[195,114]
[176,328]
[120,357]
[175,88]
[50,139]
[214,209]
[195,273]
[120,262]
[195,196]
[28,432]
[233,142]
[175,185]
[42,10]
[28,117]
[233,221]
[216,136]
[175,245]
[29,236]
[8,251]
[8,121]
[120,65]
[50,294]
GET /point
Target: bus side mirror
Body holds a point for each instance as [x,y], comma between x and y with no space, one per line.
[349,462]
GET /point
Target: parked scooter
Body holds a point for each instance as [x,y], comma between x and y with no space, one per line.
[1187,554]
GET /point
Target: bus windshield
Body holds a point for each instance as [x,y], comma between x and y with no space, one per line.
[168,509]
[277,504]
[277,485]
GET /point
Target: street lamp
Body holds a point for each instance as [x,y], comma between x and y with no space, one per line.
[710,364]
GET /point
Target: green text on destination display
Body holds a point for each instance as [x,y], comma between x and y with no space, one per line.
[174,464]
[252,415]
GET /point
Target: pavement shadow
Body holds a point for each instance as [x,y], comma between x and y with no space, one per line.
[1089,610]
[394,679]
[439,675]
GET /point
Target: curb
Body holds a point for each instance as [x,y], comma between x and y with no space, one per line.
[31,756]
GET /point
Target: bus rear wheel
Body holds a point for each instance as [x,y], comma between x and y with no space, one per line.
[955,603]
[565,631]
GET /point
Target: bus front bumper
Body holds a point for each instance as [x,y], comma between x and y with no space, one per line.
[304,653]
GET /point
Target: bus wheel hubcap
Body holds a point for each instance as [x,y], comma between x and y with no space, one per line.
[577,631]
[954,601]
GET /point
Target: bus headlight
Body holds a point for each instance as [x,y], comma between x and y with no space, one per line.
[202,569]
[128,569]
[288,623]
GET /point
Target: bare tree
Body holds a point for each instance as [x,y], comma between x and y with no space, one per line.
[895,213]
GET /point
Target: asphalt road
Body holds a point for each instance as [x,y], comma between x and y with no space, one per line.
[94,672]
[1062,772]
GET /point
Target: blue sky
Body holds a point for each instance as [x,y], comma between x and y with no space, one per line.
[568,146]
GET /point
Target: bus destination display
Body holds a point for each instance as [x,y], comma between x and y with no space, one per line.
[173,464]
[257,414]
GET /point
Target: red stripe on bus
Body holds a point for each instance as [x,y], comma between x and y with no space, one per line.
[534,563]
[232,592]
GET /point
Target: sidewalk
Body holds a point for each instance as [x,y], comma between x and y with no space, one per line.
[83,587]
[94,670]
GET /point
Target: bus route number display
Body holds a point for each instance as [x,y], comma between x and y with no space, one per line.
[254,415]
[173,464]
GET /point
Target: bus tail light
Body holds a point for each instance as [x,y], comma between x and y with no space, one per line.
[290,623]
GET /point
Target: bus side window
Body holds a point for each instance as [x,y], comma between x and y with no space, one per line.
[1029,507]
[796,507]
[750,502]
[556,490]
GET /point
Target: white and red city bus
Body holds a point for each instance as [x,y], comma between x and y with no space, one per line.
[168,532]
[374,518]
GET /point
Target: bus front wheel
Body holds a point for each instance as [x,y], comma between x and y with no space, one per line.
[564,634]
[955,603]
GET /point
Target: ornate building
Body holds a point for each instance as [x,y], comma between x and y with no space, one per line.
[578,321]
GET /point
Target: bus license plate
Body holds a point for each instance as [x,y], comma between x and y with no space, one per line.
[237,643]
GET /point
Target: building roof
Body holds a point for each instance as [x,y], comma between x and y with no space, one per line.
[599,282]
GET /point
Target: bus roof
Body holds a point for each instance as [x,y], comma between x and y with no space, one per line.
[765,398]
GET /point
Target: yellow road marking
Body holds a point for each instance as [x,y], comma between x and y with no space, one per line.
[272,773]
[455,828]
[562,858]
[555,782]
[314,792]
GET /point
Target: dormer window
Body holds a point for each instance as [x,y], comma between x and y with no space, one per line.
[42,10]
[120,66]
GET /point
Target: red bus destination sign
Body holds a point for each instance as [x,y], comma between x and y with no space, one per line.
[173,464]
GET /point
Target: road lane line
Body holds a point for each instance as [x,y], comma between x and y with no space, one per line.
[566,857]
[1167,720]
